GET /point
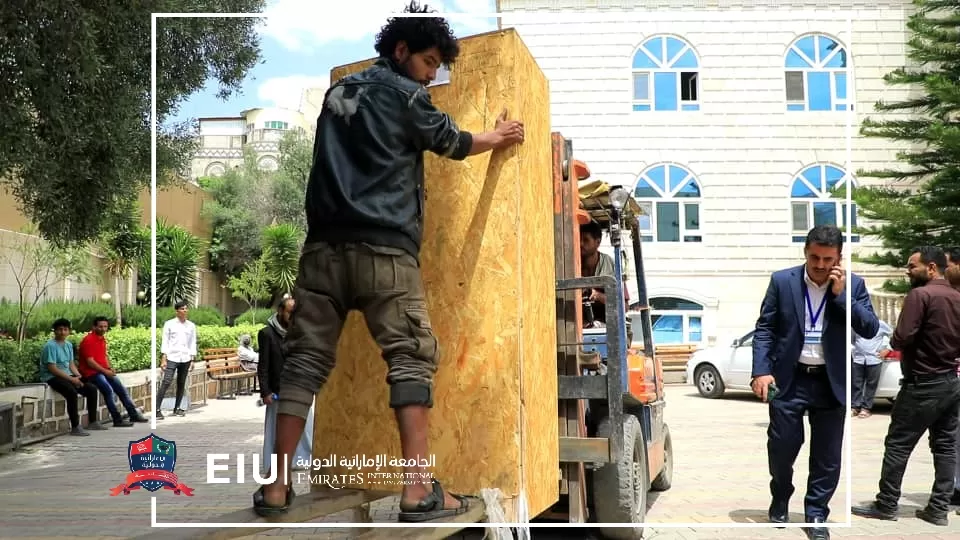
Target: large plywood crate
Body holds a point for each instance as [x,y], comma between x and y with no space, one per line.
[489,272]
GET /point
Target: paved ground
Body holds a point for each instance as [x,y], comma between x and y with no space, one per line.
[60,489]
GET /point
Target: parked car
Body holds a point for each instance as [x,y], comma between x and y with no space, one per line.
[714,370]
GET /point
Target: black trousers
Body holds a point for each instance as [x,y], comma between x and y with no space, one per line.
[926,403]
[181,370]
[71,393]
[865,381]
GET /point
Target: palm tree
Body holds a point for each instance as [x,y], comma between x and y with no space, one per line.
[281,254]
[178,257]
[123,245]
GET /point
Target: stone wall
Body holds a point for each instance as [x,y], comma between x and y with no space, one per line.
[196,396]
[42,417]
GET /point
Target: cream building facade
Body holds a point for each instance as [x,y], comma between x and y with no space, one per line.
[223,139]
[730,122]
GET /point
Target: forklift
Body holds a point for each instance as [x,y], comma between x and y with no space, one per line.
[616,394]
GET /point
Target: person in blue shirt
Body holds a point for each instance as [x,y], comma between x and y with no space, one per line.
[59,370]
[868,356]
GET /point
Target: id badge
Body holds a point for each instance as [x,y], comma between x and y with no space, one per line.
[812,337]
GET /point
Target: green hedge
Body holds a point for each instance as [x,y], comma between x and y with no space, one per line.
[129,350]
[254,316]
[81,315]
[200,315]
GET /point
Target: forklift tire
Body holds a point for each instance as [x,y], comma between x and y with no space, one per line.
[620,489]
[664,480]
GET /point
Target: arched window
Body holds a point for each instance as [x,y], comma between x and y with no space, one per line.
[215,169]
[669,196]
[665,76]
[812,205]
[816,75]
[268,163]
[676,321]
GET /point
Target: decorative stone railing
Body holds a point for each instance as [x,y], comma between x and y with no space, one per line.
[887,306]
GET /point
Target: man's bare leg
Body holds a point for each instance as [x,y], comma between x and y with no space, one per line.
[289,431]
[412,420]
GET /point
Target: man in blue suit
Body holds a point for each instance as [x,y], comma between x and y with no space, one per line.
[800,348]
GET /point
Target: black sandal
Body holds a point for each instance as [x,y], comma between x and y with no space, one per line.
[263,509]
[431,507]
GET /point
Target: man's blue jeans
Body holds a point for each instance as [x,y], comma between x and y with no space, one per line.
[109,386]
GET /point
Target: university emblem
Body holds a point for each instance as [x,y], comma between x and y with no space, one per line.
[152,461]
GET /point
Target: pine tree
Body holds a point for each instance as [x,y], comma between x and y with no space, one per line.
[921,203]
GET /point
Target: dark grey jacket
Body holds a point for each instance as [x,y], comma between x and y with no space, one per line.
[271,360]
[366,184]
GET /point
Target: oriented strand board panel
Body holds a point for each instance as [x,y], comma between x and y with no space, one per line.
[488,267]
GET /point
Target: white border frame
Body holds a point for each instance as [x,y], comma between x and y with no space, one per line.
[517,16]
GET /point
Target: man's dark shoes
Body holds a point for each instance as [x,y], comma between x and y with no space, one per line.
[179,412]
[139,418]
[120,422]
[874,511]
[931,517]
[159,415]
[817,533]
[955,500]
[779,512]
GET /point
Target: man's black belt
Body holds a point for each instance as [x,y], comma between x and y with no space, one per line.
[811,369]
[927,377]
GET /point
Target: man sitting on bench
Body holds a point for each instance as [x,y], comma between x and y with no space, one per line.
[249,358]
[59,370]
[95,368]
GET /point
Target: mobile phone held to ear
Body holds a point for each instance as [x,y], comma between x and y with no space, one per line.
[772,391]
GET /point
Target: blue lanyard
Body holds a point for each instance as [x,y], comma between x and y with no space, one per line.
[814,317]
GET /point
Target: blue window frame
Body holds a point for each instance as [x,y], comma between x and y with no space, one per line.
[816,75]
[676,321]
[812,205]
[669,196]
[666,75]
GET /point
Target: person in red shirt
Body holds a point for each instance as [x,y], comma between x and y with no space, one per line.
[95,368]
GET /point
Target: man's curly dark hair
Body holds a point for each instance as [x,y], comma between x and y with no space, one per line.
[419,33]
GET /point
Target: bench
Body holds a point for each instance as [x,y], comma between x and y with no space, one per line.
[223,366]
[675,357]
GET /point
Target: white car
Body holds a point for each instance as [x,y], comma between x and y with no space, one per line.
[714,370]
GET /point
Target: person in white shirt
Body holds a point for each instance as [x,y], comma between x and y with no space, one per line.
[245,353]
[249,358]
[178,349]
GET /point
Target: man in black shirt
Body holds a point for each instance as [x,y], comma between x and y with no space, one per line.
[953,277]
[365,205]
[929,398]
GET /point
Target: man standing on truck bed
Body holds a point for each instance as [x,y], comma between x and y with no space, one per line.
[800,348]
[365,223]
